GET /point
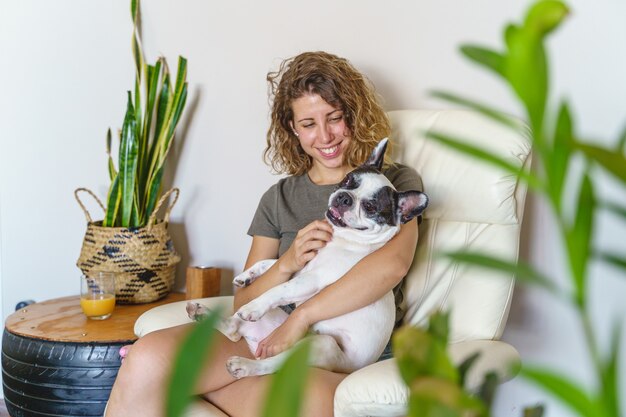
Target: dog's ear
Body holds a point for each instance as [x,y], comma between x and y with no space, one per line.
[410,204]
[378,155]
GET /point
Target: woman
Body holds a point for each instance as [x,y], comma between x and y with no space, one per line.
[325,121]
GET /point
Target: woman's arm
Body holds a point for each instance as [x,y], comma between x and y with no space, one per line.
[304,248]
[262,248]
[370,279]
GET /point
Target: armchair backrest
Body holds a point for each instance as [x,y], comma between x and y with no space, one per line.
[473,206]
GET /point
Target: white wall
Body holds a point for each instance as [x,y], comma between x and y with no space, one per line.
[65,67]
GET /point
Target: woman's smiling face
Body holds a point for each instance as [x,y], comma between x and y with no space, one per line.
[323,134]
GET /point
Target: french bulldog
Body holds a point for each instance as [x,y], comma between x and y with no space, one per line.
[365,212]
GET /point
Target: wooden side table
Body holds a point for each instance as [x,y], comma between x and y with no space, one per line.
[57,362]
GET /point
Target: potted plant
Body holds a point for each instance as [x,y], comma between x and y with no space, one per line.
[130,240]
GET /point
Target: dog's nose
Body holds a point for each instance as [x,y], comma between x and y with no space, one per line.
[344,199]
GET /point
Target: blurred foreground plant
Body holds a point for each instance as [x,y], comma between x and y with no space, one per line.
[435,384]
[523,65]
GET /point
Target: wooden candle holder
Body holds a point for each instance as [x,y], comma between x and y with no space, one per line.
[203,281]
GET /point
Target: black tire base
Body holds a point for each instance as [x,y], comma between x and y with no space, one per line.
[46,378]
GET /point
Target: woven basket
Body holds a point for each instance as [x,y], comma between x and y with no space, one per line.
[143,259]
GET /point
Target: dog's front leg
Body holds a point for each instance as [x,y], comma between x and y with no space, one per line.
[298,289]
[250,275]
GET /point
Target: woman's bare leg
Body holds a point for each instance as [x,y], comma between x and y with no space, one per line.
[141,383]
[246,397]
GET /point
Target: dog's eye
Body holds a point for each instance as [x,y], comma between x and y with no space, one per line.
[369,207]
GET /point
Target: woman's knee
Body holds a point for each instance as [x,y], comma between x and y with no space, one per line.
[152,355]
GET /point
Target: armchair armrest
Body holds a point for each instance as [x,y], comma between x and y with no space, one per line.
[378,389]
[174,314]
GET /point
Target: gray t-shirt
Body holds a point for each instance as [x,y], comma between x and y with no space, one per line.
[295,201]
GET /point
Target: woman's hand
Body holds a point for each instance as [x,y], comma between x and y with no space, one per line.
[308,241]
[284,337]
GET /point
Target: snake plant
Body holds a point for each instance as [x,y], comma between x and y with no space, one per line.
[152,114]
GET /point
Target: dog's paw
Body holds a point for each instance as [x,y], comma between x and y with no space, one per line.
[196,311]
[238,367]
[251,312]
[244,279]
[250,275]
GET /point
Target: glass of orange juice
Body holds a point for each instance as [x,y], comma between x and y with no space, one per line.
[97,294]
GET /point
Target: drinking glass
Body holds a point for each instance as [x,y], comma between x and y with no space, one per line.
[97,294]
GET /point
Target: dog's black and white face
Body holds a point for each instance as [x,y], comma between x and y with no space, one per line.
[367,201]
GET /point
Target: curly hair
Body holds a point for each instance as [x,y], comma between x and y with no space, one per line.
[336,81]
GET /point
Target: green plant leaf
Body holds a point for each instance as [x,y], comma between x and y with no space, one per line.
[526,71]
[112,171]
[491,60]
[154,191]
[166,98]
[613,258]
[487,390]
[178,103]
[565,390]
[545,16]
[128,162]
[526,66]
[523,272]
[578,237]
[558,158]
[614,208]
[134,214]
[178,106]
[463,146]
[136,42]
[466,365]
[438,326]
[287,388]
[181,74]
[163,105]
[419,354]
[437,397]
[487,111]
[134,9]
[143,166]
[610,374]
[613,162]
[189,362]
[114,199]
[511,31]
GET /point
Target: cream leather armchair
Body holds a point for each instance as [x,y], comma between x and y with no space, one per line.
[472,206]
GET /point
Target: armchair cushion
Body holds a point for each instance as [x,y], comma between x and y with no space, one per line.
[174,314]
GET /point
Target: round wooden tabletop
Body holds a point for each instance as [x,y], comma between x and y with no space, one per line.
[62,320]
